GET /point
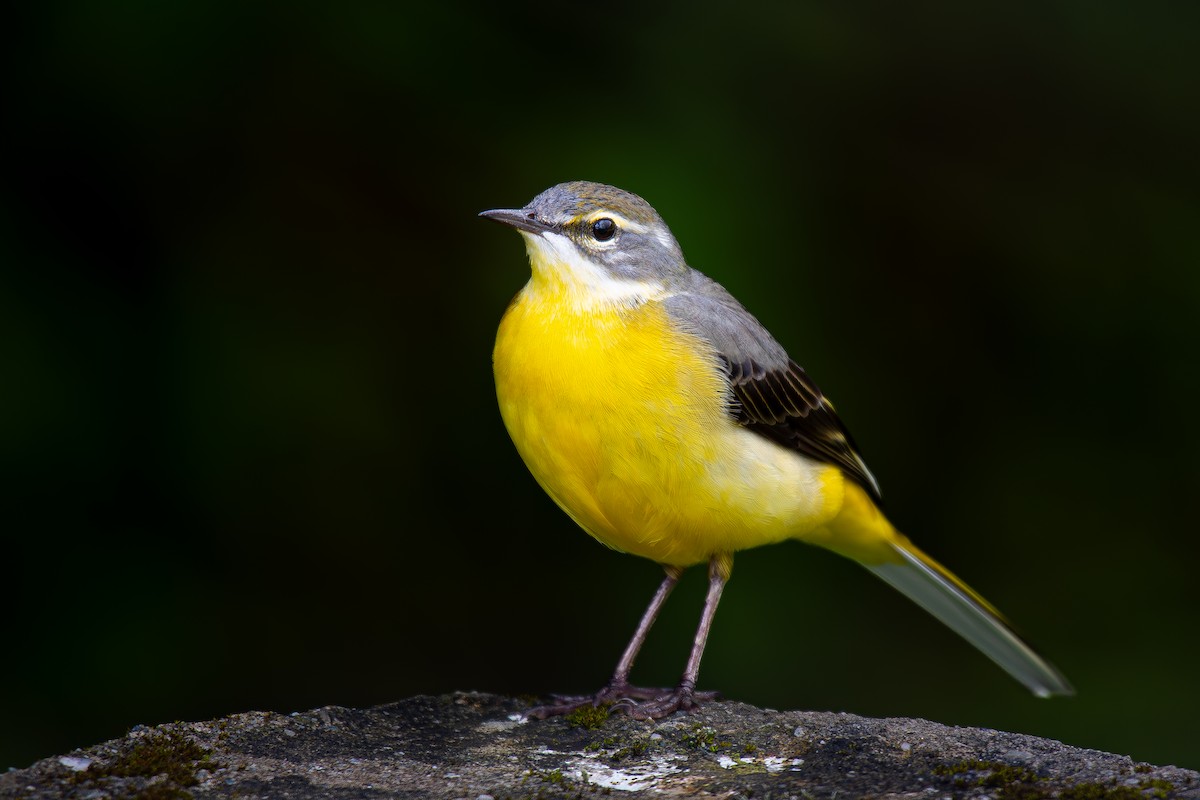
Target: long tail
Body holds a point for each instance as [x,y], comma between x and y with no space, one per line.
[935,589]
[864,534]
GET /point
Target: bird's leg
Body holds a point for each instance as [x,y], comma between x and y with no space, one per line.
[618,687]
[685,697]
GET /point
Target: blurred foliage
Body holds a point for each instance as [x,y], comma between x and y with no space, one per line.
[249,447]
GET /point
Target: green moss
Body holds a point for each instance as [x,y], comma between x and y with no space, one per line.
[1019,783]
[553,785]
[1005,775]
[636,749]
[993,773]
[1010,782]
[1146,788]
[160,791]
[588,716]
[171,755]
[617,750]
[1095,791]
[701,738]
[1156,788]
[742,768]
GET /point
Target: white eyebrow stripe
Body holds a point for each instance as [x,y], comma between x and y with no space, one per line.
[664,238]
[659,232]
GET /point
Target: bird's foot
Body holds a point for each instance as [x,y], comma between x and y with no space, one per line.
[682,698]
[623,697]
[566,703]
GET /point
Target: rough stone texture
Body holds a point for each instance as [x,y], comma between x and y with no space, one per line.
[472,745]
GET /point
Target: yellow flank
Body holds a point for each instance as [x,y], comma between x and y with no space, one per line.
[860,531]
[622,419]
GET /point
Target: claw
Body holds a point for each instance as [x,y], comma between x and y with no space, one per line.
[622,706]
[679,700]
[558,708]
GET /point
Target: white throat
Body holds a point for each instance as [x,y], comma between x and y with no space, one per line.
[560,269]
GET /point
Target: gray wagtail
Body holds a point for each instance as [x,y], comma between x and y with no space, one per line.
[668,423]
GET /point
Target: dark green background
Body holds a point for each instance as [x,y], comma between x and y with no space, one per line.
[251,455]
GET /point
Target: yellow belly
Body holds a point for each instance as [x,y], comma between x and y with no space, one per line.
[623,422]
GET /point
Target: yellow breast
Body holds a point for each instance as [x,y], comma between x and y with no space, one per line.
[622,420]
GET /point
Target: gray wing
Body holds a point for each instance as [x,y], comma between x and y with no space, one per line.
[772,395]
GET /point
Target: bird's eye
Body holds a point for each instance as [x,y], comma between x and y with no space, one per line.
[604,229]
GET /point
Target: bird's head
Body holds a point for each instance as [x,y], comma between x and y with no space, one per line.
[597,243]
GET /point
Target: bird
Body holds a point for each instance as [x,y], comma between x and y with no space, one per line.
[668,423]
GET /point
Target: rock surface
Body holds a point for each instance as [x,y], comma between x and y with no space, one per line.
[476,745]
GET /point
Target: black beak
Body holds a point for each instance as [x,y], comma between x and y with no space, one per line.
[517,218]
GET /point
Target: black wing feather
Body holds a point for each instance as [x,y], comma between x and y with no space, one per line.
[786,407]
[771,395]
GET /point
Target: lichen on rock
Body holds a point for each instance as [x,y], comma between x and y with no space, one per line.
[470,745]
